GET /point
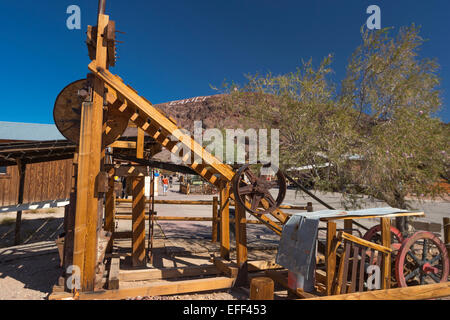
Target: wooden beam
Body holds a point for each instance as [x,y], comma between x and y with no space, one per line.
[167,273]
[86,223]
[330,255]
[138,222]
[123,144]
[393,215]
[162,288]
[225,221]
[129,171]
[241,246]
[226,267]
[423,292]
[140,144]
[346,236]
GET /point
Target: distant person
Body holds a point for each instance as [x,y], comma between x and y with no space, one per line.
[124,188]
[165,183]
[170,181]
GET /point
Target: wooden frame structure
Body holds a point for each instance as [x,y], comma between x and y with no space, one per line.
[94,181]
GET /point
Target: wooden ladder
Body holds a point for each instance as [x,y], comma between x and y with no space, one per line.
[165,131]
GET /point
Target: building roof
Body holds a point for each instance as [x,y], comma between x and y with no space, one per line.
[19,131]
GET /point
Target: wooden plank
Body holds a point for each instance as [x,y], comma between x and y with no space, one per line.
[386,242]
[162,288]
[394,215]
[140,144]
[123,144]
[138,222]
[430,291]
[226,267]
[129,171]
[167,273]
[241,246]
[113,277]
[330,255]
[225,221]
[345,236]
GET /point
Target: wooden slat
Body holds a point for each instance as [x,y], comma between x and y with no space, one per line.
[345,236]
[167,273]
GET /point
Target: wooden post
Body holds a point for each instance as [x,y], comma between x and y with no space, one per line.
[22,168]
[261,288]
[447,235]
[90,154]
[140,144]
[215,218]
[110,207]
[348,225]
[225,221]
[386,241]
[241,245]
[138,222]
[330,257]
[309,207]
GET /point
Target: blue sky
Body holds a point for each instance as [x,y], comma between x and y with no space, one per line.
[175,49]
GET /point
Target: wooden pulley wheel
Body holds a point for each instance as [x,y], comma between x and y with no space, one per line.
[250,190]
[67,114]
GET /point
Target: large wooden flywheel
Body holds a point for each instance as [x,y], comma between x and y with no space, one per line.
[67,114]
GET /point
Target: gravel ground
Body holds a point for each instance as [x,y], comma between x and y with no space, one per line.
[28,272]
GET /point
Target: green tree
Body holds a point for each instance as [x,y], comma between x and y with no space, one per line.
[379,132]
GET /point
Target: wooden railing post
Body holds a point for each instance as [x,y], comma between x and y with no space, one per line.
[330,257]
[386,242]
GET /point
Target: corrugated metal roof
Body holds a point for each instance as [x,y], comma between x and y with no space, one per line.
[29,131]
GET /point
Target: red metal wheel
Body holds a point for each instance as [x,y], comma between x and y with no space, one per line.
[374,235]
[422,259]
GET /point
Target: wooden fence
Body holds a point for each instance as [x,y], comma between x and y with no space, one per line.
[43,181]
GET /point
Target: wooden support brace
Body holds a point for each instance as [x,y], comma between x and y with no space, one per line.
[138,222]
